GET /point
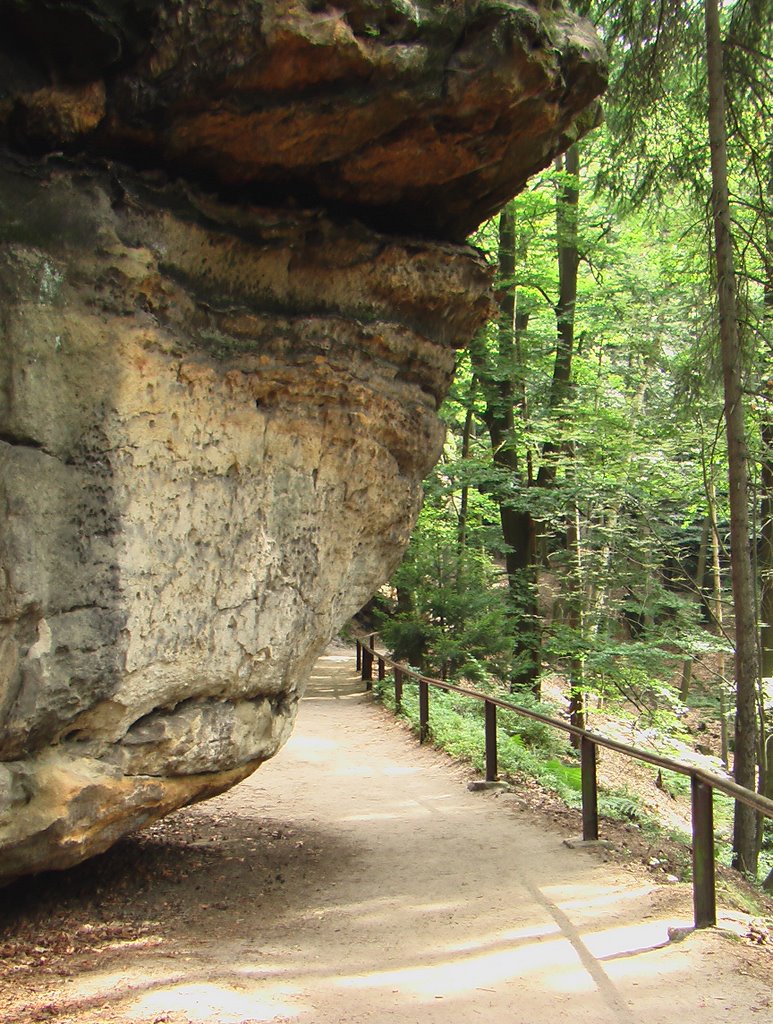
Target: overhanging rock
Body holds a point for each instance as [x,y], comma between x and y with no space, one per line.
[232,281]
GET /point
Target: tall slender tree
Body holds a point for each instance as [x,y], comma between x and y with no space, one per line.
[498,375]
[670,61]
[745,850]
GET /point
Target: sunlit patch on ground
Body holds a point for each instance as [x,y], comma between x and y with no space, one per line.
[553,964]
[356,879]
[205,1001]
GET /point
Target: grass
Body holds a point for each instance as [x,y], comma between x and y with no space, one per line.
[524,747]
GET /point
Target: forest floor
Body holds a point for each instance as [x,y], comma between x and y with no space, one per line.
[355,878]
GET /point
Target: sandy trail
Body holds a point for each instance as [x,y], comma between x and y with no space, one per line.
[355,879]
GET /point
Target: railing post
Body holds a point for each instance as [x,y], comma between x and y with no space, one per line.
[359,654]
[423,711]
[703,884]
[367,668]
[590,807]
[398,689]
[491,741]
[381,668]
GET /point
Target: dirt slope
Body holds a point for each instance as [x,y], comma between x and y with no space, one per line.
[355,878]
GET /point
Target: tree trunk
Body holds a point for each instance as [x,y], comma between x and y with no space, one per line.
[500,387]
[745,761]
[466,437]
[568,262]
[765,540]
[717,614]
[700,574]
[765,549]
[575,621]
[765,545]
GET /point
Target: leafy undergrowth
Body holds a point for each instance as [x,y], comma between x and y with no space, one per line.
[537,761]
[524,747]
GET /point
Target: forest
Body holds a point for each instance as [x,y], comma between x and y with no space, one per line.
[603,510]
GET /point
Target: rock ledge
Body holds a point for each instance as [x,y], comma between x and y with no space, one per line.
[231,292]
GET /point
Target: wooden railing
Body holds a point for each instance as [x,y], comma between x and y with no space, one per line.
[702,782]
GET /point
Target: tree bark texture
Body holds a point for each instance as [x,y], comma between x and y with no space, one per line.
[746,667]
[765,546]
[568,262]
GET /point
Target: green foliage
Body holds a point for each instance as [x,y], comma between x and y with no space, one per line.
[617,470]
[455,625]
[570,775]
[532,734]
[629,457]
[456,725]
[622,806]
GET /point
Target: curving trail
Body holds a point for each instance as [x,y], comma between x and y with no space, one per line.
[355,879]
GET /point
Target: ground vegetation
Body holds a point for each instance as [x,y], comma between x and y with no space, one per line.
[601,516]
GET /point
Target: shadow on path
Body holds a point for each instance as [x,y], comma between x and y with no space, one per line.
[355,878]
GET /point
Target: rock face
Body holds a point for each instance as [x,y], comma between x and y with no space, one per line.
[230,294]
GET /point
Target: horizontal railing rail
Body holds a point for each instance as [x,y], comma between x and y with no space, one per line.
[702,781]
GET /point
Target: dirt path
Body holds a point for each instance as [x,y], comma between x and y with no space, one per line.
[356,879]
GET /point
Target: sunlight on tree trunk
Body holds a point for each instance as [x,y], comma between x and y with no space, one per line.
[719,621]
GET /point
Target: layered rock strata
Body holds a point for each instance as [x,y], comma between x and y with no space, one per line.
[224,336]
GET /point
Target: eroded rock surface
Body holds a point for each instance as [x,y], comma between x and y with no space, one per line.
[230,295]
[424,113]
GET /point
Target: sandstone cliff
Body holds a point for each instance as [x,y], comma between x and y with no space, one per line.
[231,289]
